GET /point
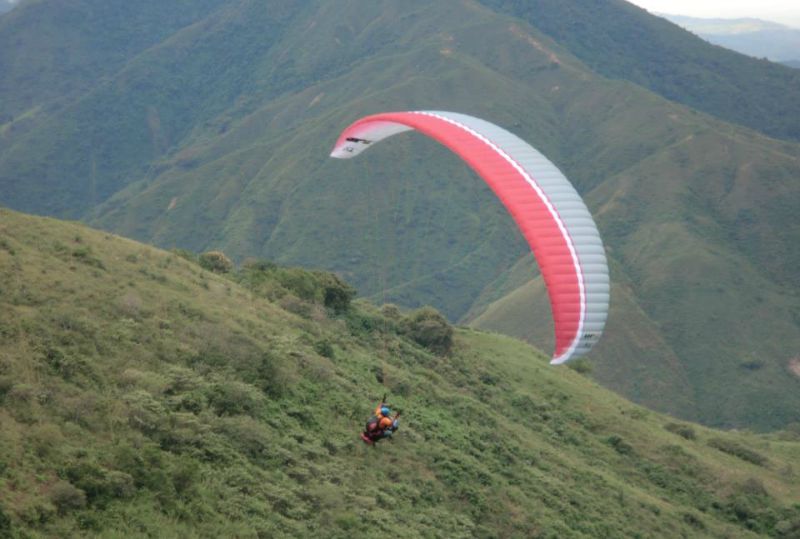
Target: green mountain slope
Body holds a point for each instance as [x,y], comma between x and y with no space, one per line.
[53,52]
[429,232]
[623,41]
[684,260]
[218,137]
[633,342]
[753,37]
[93,143]
[141,395]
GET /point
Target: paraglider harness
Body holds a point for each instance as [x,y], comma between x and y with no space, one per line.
[373,433]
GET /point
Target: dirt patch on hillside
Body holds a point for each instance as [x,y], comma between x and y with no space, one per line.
[794,366]
[518,32]
[316,100]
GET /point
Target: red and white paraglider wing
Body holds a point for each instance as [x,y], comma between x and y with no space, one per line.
[548,211]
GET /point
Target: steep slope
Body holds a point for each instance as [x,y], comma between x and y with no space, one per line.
[430,232]
[141,395]
[77,156]
[633,357]
[691,226]
[53,52]
[623,41]
[753,37]
[218,137]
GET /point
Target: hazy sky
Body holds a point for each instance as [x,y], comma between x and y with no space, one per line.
[783,11]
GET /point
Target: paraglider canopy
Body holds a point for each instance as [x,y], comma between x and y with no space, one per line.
[545,206]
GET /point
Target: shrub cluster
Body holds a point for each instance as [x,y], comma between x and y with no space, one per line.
[684,431]
[215,261]
[738,450]
[283,284]
[619,444]
[428,328]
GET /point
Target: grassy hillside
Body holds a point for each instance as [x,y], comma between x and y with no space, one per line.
[144,396]
[218,136]
[632,343]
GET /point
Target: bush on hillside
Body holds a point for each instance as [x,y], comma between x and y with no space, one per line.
[684,431]
[324,348]
[86,256]
[273,375]
[292,304]
[215,261]
[183,253]
[620,445]
[391,311]
[581,366]
[256,264]
[229,398]
[66,497]
[99,484]
[790,432]
[5,523]
[364,322]
[789,527]
[276,282]
[738,450]
[751,505]
[430,329]
[336,293]
[7,246]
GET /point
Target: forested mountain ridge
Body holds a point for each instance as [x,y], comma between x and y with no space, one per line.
[51,53]
[143,395]
[623,41]
[218,135]
[753,37]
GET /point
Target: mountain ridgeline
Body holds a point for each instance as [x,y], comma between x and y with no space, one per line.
[753,37]
[146,393]
[211,130]
[623,41]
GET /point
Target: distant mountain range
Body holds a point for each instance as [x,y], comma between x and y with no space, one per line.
[207,124]
[753,37]
[6,5]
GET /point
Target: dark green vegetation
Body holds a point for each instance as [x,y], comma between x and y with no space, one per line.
[141,395]
[623,41]
[753,37]
[212,129]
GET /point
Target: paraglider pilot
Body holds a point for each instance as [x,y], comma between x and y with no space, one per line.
[381,425]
